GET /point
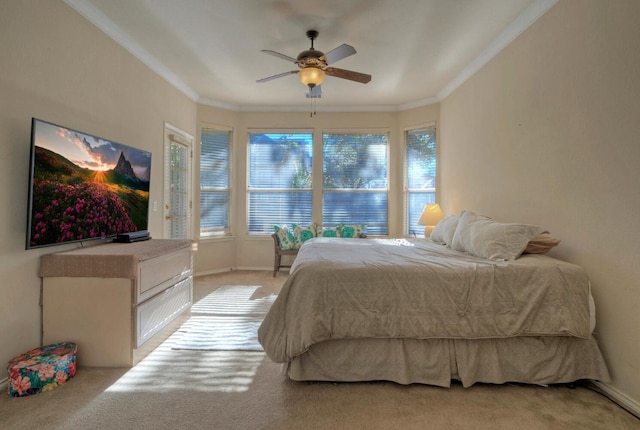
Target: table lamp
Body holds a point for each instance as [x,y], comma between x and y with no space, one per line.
[431,216]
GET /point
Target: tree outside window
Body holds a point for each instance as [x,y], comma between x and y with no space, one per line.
[355,180]
[420,175]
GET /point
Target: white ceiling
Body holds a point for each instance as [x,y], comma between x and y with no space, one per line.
[417,51]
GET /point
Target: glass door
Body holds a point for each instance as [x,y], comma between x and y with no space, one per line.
[177,183]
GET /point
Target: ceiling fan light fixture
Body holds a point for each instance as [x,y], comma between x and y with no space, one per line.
[311,76]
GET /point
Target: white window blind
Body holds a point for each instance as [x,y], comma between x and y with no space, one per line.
[215,183]
[420,175]
[356,183]
[279,183]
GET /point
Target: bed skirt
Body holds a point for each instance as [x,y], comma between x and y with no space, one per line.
[531,360]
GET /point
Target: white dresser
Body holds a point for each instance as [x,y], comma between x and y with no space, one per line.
[116,301]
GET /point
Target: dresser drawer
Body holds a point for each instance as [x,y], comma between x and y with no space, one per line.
[154,314]
[158,273]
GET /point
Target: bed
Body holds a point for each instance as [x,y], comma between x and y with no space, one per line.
[419,311]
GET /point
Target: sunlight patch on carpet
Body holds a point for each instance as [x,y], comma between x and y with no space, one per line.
[204,371]
[234,300]
[212,333]
[225,320]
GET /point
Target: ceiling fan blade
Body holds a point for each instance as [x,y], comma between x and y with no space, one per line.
[315,92]
[342,51]
[348,74]
[279,55]
[279,75]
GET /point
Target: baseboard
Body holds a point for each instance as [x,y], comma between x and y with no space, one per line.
[254,268]
[214,271]
[618,397]
[230,269]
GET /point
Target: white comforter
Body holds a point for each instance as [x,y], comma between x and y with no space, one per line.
[397,288]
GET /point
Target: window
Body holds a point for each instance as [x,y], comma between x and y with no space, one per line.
[215,188]
[279,183]
[420,179]
[355,186]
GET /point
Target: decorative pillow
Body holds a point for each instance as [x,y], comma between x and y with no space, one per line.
[443,231]
[329,231]
[541,244]
[351,230]
[462,235]
[285,236]
[486,238]
[302,234]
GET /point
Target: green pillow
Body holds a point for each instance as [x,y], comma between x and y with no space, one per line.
[302,234]
[351,230]
[286,238]
[329,232]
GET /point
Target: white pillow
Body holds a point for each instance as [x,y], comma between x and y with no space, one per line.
[443,231]
[486,238]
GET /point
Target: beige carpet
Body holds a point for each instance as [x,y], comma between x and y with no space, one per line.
[177,389]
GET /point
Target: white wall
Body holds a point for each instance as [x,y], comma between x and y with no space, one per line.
[548,133]
[56,66]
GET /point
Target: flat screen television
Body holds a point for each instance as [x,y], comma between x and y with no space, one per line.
[83,187]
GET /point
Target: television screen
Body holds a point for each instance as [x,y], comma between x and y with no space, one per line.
[83,187]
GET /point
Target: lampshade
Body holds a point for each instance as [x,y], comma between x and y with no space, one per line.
[431,216]
[311,76]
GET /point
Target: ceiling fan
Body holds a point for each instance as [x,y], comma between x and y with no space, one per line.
[314,66]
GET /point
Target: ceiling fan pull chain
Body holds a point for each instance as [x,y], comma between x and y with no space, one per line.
[312,107]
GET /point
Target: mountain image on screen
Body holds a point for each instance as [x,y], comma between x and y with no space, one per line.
[72,203]
[124,167]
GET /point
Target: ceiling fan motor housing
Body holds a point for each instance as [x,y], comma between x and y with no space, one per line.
[311,57]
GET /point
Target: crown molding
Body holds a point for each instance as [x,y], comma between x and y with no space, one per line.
[320,108]
[418,103]
[304,108]
[218,104]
